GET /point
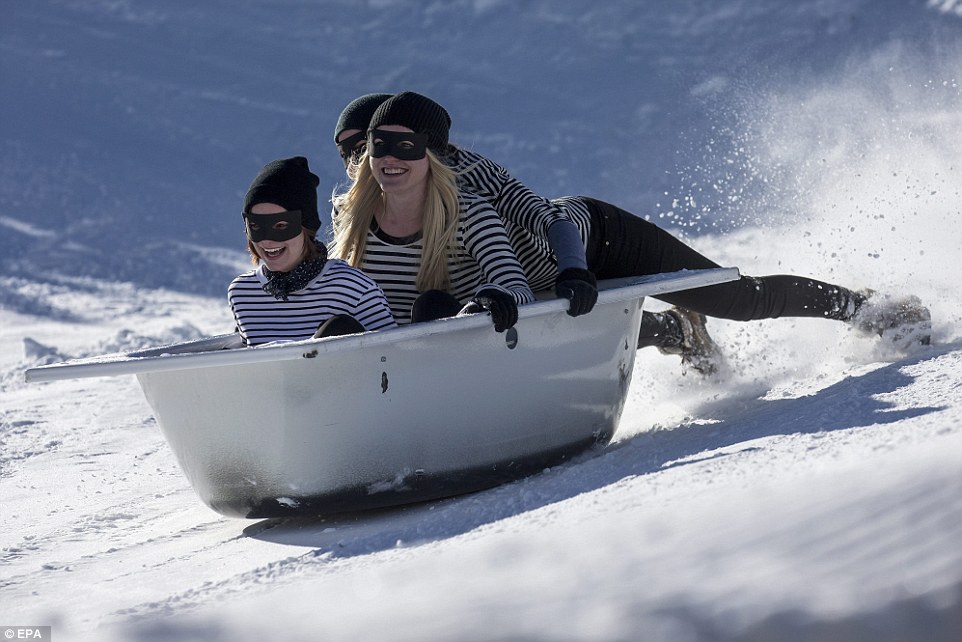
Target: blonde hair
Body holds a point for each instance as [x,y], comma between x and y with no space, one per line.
[439,223]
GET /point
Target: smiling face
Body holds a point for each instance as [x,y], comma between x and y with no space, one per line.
[393,174]
[279,256]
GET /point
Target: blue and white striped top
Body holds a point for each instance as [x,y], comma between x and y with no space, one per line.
[338,289]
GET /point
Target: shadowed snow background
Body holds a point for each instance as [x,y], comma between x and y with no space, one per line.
[812,492]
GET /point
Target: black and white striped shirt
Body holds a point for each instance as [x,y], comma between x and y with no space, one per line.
[577,212]
[514,202]
[484,257]
[527,216]
[338,289]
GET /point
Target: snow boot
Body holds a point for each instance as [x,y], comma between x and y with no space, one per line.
[687,335]
[904,322]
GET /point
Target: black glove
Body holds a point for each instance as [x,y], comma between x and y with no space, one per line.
[578,286]
[501,305]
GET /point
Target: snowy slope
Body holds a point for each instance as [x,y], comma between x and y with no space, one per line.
[812,492]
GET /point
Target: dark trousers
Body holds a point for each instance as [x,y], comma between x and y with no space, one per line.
[621,244]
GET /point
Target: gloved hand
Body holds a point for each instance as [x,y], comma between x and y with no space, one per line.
[578,286]
[501,305]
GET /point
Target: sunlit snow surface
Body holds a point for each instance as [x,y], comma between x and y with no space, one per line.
[811,491]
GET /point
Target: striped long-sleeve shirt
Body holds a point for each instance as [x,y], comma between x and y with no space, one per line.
[513,201]
[338,289]
[527,216]
[483,257]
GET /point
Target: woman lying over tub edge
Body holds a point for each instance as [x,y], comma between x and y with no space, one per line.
[566,242]
[294,291]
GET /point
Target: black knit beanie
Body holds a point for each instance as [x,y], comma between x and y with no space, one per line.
[358,113]
[419,114]
[289,183]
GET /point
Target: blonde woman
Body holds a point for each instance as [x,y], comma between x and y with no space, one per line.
[434,250]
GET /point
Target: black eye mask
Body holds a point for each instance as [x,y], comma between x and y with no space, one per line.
[273,227]
[408,146]
[349,148]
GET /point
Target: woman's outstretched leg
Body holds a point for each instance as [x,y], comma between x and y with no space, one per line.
[630,246]
[623,245]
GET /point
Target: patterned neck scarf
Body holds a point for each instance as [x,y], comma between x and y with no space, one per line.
[280,284]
